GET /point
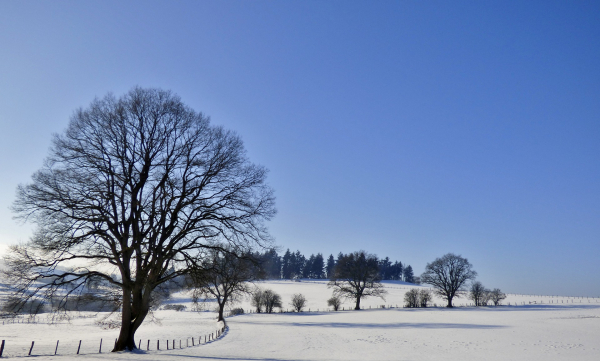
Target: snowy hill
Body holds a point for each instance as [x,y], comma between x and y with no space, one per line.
[539,328]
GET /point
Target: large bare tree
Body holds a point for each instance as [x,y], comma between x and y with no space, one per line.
[356,276]
[448,275]
[133,194]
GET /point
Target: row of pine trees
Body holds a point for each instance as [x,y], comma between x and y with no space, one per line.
[294,265]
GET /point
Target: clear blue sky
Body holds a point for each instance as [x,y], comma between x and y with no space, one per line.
[406,128]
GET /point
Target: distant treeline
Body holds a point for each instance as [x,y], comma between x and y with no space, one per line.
[294,265]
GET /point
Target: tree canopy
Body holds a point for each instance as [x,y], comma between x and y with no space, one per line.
[448,275]
[355,276]
[132,195]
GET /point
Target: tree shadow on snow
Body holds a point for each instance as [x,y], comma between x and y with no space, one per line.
[233,358]
[397,325]
[531,307]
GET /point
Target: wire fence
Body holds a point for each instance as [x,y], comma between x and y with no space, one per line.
[77,347]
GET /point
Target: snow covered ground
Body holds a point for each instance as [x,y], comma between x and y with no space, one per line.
[532,328]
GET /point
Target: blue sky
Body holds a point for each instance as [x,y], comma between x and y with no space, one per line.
[408,129]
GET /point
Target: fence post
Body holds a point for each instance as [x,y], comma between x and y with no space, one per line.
[148,347]
[78,347]
[2,348]
[100,349]
[158,344]
[193,341]
[140,344]
[32,342]
[56,349]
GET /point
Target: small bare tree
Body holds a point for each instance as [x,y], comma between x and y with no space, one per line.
[298,302]
[271,301]
[224,278]
[425,297]
[334,302]
[478,293]
[496,296]
[257,299]
[448,275]
[411,298]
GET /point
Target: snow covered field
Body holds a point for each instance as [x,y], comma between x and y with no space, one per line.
[539,328]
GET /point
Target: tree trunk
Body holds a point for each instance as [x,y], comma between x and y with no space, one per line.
[132,316]
[449,302]
[357,303]
[221,307]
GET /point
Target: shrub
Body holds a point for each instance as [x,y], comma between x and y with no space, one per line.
[496,296]
[175,307]
[425,296]
[257,299]
[298,302]
[334,302]
[236,311]
[411,298]
[271,300]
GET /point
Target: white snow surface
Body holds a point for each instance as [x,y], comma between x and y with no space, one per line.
[531,328]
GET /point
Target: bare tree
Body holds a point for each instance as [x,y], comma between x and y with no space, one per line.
[425,297]
[411,298]
[271,300]
[225,278]
[448,275]
[258,300]
[478,293]
[298,302]
[496,296]
[135,192]
[356,276]
[334,302]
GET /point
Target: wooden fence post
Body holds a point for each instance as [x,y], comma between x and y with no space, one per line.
[32,342]
[100,349]
[2,348]
[158,344]
[78,347]
[56,349]
[148,347]
[140,344]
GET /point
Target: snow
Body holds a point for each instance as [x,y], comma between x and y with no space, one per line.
[552,328]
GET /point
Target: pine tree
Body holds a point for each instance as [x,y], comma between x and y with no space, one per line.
[408,274]
[330,265]
[318,266]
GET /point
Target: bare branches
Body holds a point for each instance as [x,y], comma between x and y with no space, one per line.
[139,185]
[355,276]
[448,275]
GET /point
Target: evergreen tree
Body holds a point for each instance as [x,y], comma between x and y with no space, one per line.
[318,267]
[408,274]
[397,270]
[330,265]
[286,265]
[307,269]
[298,265]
